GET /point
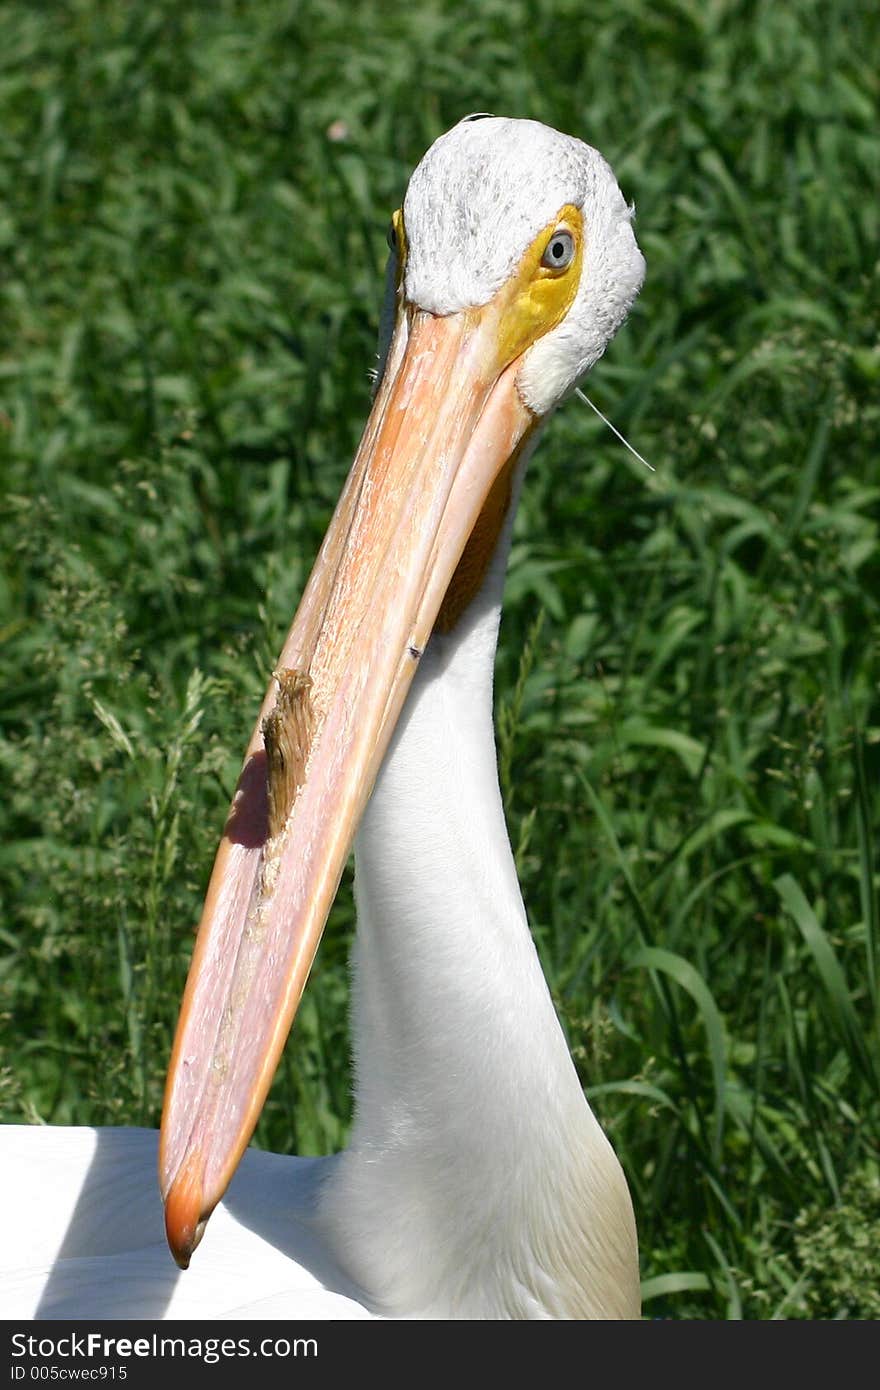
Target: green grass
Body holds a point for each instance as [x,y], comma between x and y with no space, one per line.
[689,729]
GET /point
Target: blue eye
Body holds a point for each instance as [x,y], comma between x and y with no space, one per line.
[559,252]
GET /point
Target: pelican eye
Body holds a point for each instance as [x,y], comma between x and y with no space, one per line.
[391,236]
[559,251]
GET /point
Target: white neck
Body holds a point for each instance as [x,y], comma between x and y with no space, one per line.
[478,1182]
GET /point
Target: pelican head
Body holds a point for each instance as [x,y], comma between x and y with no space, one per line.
[499,203]
[513,263]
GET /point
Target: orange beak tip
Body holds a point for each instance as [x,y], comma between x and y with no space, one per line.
[185,1220]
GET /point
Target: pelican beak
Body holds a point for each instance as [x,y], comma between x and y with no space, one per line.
[446,421]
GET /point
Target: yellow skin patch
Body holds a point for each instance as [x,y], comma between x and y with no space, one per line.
[537,297]
[400,238]
[534,300]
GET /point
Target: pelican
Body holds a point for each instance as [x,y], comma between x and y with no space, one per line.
[478,1183]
